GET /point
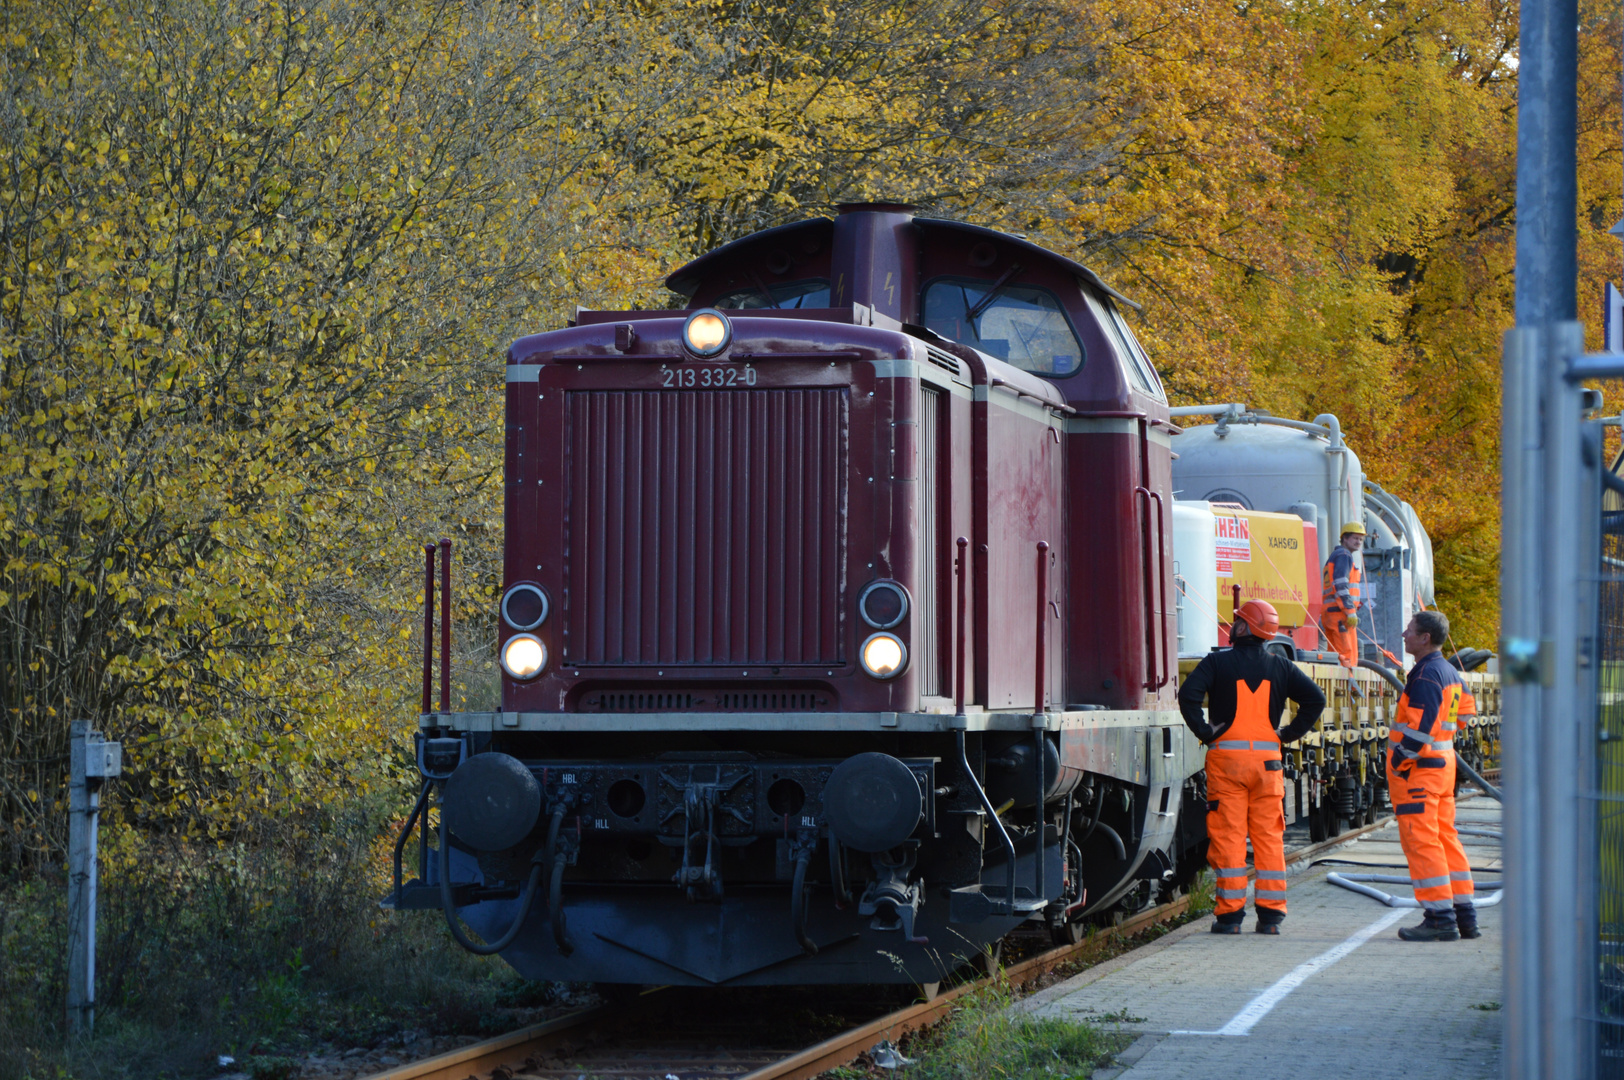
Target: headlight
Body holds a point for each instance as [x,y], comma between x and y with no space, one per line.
[883,604]
[884,655]
[524,656]
[707,332]
[524,607]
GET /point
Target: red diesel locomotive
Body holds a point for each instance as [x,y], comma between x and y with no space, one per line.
[836,627]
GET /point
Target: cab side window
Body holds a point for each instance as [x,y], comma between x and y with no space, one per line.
[1140,370]
[1020,324]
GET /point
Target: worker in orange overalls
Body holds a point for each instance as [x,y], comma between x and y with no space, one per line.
[1341,594]
[1421,782]
[1245,689]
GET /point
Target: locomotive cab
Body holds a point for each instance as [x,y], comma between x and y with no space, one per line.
[839,600]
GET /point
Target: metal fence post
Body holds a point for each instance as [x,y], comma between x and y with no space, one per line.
[1565,870]
[92,762]
[1520,650]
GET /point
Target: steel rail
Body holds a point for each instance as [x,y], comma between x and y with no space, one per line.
[511,1051]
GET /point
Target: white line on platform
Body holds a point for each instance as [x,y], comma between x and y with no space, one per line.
[1260,1006]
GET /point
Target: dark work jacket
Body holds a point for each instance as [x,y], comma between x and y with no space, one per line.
[1215,677]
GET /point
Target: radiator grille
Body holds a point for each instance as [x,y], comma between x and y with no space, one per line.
[705,528]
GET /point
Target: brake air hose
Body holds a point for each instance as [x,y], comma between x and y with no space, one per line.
[555,885]
[525,899]
[797,902]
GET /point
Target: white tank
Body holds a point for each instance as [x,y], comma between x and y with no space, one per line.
[1287,466]
[1195,571]
[1281,469]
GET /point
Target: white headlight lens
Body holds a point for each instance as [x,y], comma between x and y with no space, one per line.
[706,333]
[884,655]
[524,656]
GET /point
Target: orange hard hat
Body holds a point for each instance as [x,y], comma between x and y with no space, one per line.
[1260,617]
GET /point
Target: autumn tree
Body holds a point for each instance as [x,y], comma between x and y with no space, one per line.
[257,266]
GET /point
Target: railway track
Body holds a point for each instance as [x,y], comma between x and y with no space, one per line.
[744,1035]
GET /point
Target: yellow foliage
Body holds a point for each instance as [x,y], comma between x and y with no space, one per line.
[258,261]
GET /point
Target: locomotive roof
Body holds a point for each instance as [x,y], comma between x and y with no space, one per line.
[815,234]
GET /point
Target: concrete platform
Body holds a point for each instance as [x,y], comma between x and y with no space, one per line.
[1336,991]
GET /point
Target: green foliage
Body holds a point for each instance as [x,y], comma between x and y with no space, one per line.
[253,260]
[241,949]
[986,1038]
[1203,893]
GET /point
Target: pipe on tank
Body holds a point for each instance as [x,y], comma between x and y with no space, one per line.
[1234,408]
[1390,512]
[1332,426]
[1341,506]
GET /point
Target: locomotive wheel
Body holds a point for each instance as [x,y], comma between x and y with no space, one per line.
[1316,824]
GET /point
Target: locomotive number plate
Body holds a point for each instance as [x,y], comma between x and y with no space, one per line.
[707,375]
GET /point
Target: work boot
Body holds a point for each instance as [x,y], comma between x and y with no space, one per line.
[1269,920]
[1228,923]
[1435,926]
[1466,921]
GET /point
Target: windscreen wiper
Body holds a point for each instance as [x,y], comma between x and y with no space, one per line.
[981,305]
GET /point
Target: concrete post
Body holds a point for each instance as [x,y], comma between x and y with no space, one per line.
[92,762]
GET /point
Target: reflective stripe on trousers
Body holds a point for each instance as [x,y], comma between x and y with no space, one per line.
[1424,806]
[1245,800]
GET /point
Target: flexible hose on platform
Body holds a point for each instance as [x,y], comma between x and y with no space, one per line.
[1351,882]
[1384,672]
[1475,777]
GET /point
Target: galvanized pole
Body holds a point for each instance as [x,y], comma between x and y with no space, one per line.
[1541,576]
[1569,579]
[1520,573]
[1547,147]
[91,762]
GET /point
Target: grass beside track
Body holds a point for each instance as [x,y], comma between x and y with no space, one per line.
[984,1039]
[272,954]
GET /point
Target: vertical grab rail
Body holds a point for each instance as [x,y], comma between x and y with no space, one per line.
[1142,496]
[1040,726]
[958,661]
[961,722]
[445,625]
[428,627]
[1160,675]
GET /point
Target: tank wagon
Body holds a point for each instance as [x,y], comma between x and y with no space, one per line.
[1251,490]
[838,627]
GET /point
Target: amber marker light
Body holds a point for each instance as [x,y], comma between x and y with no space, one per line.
[524,656]
[884,655]
[707,332]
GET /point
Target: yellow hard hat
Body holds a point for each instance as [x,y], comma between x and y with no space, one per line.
[1353,527]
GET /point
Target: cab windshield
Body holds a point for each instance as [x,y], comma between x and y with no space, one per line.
[1020,324]
[810,293]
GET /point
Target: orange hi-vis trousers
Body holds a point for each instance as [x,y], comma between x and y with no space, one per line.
[1423,797]
[1245,786]
[1343,639]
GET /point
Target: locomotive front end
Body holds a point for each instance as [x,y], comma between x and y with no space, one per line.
[783,638]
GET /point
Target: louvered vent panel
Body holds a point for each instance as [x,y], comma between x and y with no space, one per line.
[705,528]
